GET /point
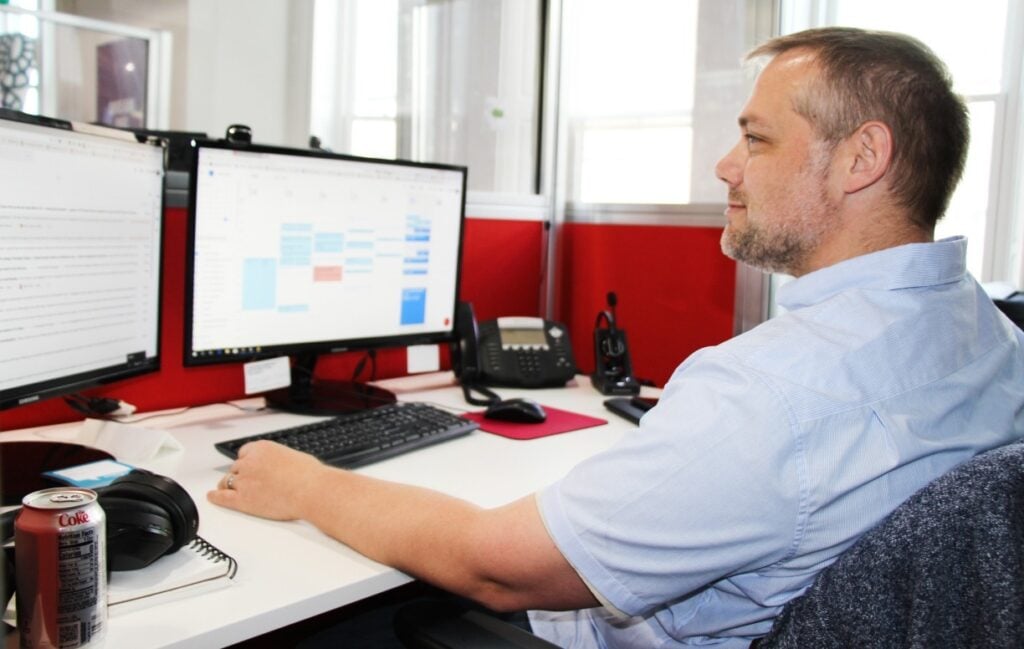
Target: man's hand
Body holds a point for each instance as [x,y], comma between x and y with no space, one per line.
[269,480]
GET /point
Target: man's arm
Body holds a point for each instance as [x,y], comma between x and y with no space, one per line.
[502,558]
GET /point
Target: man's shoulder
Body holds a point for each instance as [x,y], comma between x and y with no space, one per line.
[874,328]
[780,343]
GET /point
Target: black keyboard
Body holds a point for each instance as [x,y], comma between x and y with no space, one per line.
[367,436]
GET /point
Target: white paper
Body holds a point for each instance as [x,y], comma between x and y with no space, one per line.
[422,358]
[126,442]
[270,374]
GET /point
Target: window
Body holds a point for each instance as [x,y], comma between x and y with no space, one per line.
[629,87]
[454,81]
[648,91]
[354,105]
[652,90]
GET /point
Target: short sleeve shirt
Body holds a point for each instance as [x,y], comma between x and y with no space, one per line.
[770,454]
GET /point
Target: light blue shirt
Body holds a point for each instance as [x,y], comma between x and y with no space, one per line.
[771,453]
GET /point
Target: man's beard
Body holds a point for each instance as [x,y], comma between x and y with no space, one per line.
[773,250]
[783,243]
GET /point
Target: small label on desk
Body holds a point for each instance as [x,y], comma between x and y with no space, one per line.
[270,374]
[422,358]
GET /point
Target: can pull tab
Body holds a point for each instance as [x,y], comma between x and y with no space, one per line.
[67,497]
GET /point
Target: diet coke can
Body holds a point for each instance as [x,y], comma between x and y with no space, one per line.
[60,552]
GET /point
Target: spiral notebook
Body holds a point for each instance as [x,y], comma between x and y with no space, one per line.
[193,569]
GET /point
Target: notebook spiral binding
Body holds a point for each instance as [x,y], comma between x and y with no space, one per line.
[215,554]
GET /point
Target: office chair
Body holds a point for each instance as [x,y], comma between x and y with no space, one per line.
[945,569]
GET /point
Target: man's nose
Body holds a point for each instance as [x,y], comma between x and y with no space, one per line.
[729,168]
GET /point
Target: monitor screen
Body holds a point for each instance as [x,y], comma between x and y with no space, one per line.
[80,254]
[302,252]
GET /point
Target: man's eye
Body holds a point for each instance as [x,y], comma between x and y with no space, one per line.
[751,139]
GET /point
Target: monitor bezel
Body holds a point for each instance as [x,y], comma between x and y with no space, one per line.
[66,385]
[321,347]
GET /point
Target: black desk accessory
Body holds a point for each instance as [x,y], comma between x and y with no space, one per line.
[629,408]
[613,369]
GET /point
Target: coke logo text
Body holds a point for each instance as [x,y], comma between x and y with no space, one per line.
[68,520]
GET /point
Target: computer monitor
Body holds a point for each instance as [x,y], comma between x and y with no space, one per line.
[80,254]
[303,252]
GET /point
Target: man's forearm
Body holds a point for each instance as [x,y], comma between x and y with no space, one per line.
[421,532]
[501,557]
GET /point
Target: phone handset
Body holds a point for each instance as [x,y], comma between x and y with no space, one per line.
[465,353]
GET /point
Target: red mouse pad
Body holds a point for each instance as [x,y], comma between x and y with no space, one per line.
[558,421]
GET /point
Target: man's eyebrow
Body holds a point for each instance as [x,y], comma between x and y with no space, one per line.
[747,120]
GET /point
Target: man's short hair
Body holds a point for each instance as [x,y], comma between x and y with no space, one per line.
[895,79]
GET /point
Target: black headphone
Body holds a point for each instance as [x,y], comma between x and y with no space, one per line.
[147,516]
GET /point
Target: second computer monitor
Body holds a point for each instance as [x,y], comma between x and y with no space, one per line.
[300,252]
[81,214]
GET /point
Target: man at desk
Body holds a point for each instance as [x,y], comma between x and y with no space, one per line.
[770,454]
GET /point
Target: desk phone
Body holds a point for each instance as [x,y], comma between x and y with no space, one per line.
[519,351]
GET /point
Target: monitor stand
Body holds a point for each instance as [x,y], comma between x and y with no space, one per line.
[309,396]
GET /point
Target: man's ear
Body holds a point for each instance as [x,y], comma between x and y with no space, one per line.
[869,155]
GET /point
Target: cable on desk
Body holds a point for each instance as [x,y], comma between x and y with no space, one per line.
[156,415]
[184,409]
[371,356]
[134,420]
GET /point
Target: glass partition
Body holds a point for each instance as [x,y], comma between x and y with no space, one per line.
[81,69]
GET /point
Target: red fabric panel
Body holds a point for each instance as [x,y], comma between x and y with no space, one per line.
[675,289]
[502,267]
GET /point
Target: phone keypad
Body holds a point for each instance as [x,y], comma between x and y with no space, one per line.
[529,364]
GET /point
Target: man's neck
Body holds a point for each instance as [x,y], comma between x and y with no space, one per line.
[863,241]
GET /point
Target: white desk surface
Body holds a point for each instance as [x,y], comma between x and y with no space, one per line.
[288,572]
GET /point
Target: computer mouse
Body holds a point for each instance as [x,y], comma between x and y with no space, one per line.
[526,411]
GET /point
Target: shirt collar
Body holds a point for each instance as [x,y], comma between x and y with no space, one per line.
[907,266]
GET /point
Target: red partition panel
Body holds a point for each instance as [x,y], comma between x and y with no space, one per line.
[501,275]
[675,289]
[502,267]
